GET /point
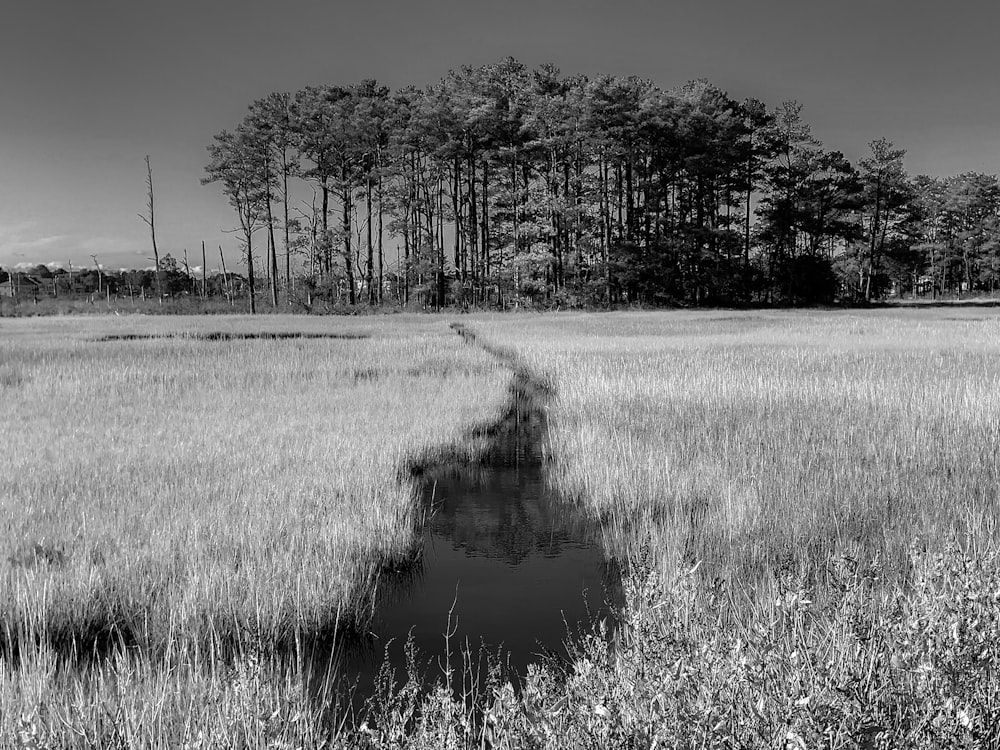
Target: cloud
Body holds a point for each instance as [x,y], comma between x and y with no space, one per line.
[106,245]
[26,244]
[40,243]
[25,241]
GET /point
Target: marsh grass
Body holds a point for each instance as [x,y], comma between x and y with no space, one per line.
[98,305]
[772,443]
[165,499]
[804,505]
[799,499]
[205,488]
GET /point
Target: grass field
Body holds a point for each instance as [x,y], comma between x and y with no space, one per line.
[771,441]
[187,496]
[831,479]
[805,503]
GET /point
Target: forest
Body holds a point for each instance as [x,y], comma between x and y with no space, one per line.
[506,186]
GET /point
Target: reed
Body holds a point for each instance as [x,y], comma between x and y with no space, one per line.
[805,504]
[771,442]
[164,495]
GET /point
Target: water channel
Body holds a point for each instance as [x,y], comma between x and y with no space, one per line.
[504,564]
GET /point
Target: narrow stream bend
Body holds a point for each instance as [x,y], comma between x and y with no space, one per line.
[506,565]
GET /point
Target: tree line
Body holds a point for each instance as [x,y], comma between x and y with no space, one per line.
[502,185]
[174,280]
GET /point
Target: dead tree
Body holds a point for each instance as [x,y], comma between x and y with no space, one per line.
[152,227]
[100,276]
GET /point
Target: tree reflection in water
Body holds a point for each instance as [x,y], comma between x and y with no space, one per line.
[504,561]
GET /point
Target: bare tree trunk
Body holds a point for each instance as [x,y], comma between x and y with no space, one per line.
[605,224]
[272,254]
[577,221]
[440,243]
[517,228]
[250,278]
[486,229]
[326,262]
[288,243]
[346,224]
[381,255]
[746,232]
[619,225]
[100,276]
[456,210]
[630,223]
[405,270]
[369,246]
[876,222]
[225,277]
[473,249]
[187,270]
[204,273]
[152,226]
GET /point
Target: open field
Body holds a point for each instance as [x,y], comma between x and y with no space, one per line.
[805,502]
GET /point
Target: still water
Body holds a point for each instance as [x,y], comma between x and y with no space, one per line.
[505,564]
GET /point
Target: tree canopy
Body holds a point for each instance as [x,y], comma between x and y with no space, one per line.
[502,185]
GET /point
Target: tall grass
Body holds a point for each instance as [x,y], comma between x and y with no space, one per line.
[805,505]
[195,498]
[772,442]
[808,506]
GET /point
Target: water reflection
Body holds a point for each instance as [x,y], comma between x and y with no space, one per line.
[504,564]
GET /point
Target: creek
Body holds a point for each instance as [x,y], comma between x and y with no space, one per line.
[505,566]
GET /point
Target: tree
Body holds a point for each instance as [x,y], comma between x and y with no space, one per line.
[174,280]
[502,184]
[323,118]
[150,220]
[269,123]
[807,212]
[781,210]
[886,194]
[237,161]
[969,211]
[758,147]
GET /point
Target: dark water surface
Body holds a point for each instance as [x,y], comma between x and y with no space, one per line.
[230,336]
[505,564]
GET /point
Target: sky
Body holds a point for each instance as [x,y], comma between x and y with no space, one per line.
[88,89]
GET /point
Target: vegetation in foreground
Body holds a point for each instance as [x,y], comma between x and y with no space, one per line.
[186,498]
[812,501]
[806,506]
